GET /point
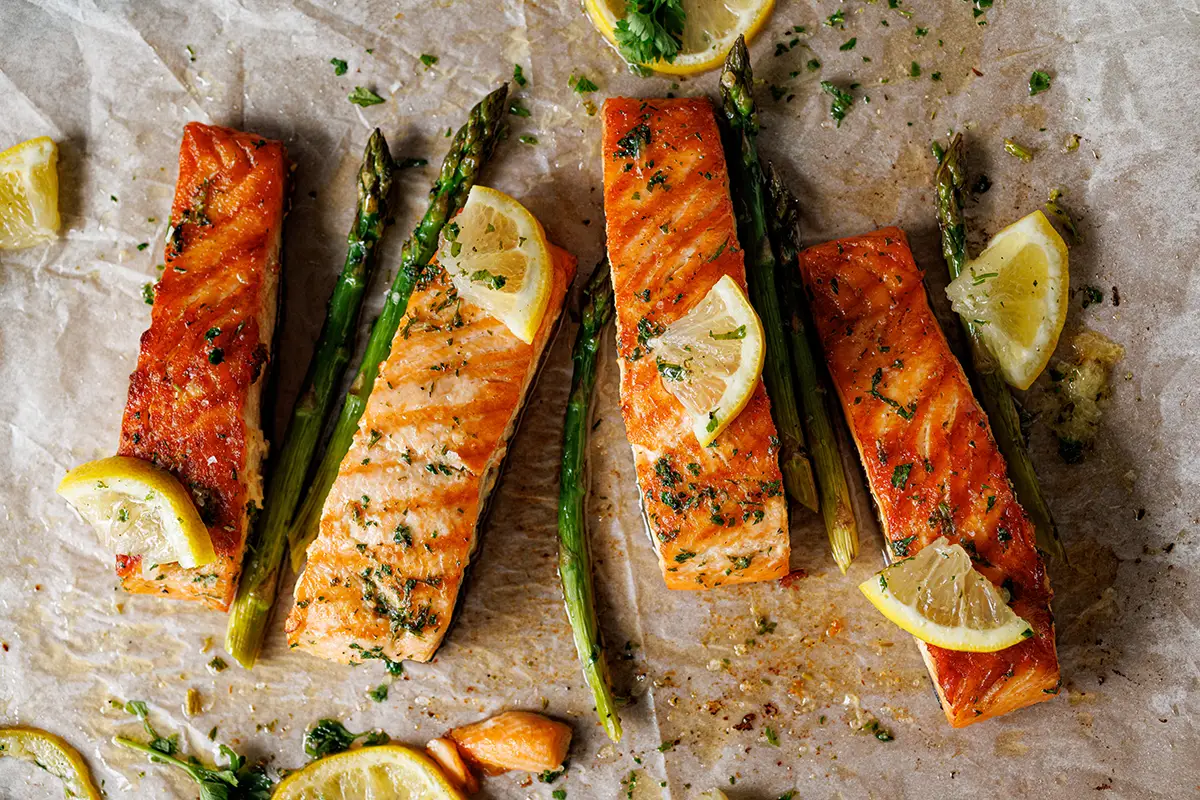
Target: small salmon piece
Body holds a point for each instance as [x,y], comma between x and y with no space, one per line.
[193,406]
[445,752]
[930,458]
[520,740]
[716,514]
[401,521]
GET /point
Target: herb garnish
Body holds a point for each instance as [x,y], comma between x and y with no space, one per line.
[364,97]
[428,60]
[1038,82]
[329,736]
[842,101]
[651,30]
[339,66]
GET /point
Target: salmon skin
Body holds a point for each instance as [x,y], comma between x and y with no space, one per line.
[932,464]
[716,514]
[401,521]
[194,399]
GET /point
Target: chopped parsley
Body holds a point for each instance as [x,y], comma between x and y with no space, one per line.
[527,139]
[582,84]
[148,293]
[1038,82]
[842,101]
[495,282]
[339,66]
[630,145]
[379,693]
[364,97]
[900,475]
[900,548]
[850,43]
[428,60]
[737,333]
[519,75]
[517,110]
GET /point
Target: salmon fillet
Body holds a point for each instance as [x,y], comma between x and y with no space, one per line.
[716,514]
[401,521]
[194,399]
[930,458]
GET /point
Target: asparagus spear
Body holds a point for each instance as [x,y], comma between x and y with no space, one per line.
[260,572]
[993,392]
[738,104]
[574,556]
[782,218]
[469,151]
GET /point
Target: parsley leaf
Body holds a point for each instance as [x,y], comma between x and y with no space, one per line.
[339,66]
[842,101]
[1038,82]
[364,97]
[651,30]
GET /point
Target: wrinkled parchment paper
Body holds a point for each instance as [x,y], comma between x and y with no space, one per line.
[114,82]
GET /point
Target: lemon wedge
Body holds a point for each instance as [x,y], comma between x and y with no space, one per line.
[938,597]
[711,358]
[52,754]
[710,28]
[1015,295]
[391,771]
[138,509]
[29,193]
[496,253]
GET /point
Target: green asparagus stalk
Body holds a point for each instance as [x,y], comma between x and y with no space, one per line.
[782,223]
[260,572]
[742,154]
[574,555]
[469,151]
[990,386]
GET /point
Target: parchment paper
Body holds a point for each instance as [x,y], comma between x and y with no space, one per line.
[114,82]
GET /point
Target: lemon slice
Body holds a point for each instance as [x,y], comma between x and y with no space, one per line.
[938,597]
[53,755]
[709,29]
[497,255]
[29,193]
[138,509]
[1015,294]
[368,773]
[710,359]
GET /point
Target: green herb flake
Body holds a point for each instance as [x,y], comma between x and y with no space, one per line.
[582,84]
[379,693]
[361,96]
[1038,82]
[900,475]
[428,60]
[339,66]
[148,293]
[842,101]
[849,44]
[517,110]
[519,75]
[527,139]
[1017,151]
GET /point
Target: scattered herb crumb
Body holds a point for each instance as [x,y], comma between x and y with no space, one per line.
[519,75]
[428,60]
[582,84]
[1017,151]
[339,66]
[850,43]
[1038,82]
[364,97]
[842,101]
[527,139]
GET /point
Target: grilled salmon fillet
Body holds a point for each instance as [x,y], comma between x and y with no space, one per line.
[932,464]
[193,405]
[401,521]
[716,514]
